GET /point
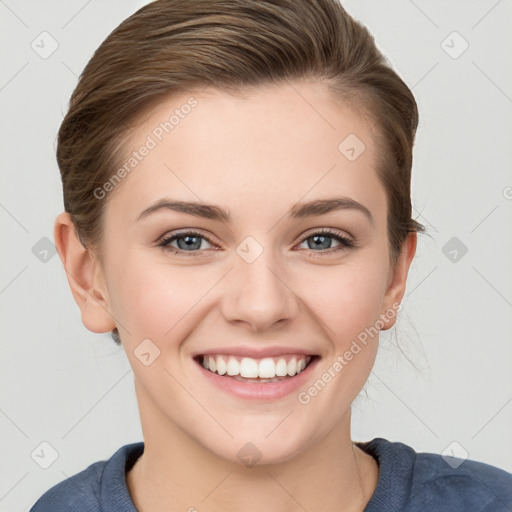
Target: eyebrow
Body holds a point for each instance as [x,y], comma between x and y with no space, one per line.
[300,210]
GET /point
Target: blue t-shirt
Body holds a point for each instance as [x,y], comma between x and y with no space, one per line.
[408,482]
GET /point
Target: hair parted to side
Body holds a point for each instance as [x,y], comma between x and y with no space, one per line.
[174,46]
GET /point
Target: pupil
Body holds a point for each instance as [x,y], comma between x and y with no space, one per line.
[189,242]
[321,238]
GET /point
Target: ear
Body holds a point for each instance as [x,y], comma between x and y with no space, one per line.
[397,281]
[85,276]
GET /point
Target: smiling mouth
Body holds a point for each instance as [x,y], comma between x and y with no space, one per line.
[247,369]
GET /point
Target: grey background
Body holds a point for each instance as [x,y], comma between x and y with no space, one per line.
[62,385]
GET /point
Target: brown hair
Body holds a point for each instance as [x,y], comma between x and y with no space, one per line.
[171,46]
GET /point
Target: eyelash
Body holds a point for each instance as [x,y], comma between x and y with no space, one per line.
[345,243]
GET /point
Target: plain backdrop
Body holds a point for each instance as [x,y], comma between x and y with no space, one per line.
[442,381]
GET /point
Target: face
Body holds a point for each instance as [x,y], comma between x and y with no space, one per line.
[269,278]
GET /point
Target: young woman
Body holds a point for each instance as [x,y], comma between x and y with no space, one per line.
[236,178]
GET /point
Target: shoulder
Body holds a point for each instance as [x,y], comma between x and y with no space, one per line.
[475,485]
[87,491]
[428,481]
[79,492]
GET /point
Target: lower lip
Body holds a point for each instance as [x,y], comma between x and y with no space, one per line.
[256,390]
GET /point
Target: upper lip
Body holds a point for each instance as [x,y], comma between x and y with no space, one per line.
[255,353]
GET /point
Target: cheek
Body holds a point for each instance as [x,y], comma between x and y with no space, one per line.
[162,302]
[347,300]
[150,300]
[347,309]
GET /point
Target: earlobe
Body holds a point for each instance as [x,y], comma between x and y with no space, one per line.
[85,276]
[398,280]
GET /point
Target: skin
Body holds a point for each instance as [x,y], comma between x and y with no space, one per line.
[255,156]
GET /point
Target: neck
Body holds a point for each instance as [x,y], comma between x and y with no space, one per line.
[176,472]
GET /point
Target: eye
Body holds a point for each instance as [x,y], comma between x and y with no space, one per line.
[323,240]
[188,243]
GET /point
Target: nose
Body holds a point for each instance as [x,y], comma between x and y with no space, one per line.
[257,295]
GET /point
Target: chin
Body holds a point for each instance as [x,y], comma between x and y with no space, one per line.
[248,450]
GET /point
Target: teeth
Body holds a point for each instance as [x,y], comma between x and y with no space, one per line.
[281,368]
[266,368]
[221,365]
[248,368]
[233,366]
[292,367]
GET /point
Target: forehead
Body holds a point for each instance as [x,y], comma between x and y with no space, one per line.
[278,144]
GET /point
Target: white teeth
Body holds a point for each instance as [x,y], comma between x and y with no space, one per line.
[248,368]
[266,368]
[292,367]
[281,368]
[221,366]
[233,366]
